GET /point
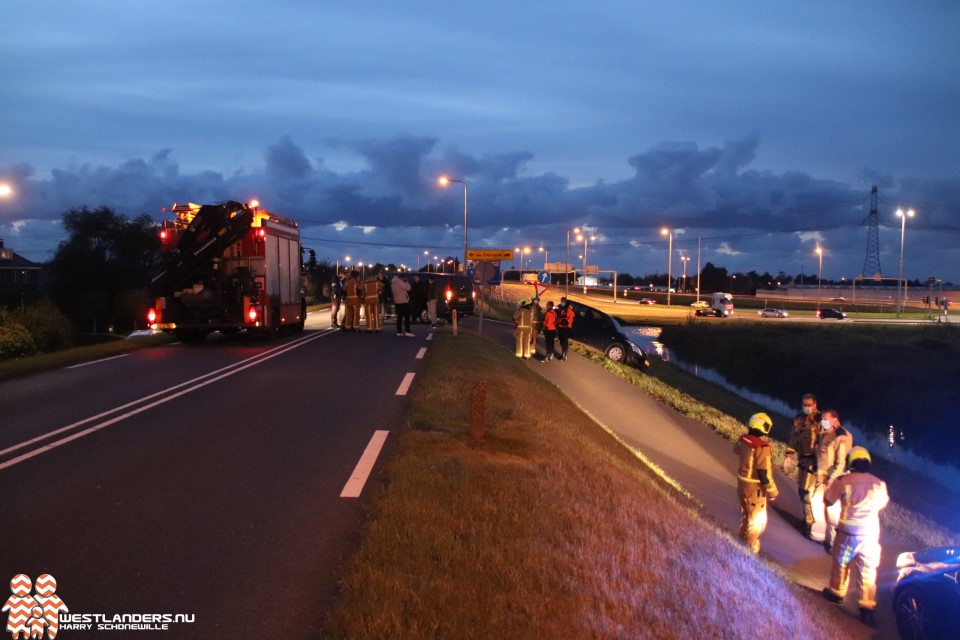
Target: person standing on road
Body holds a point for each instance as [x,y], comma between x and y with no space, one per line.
[803,453]
[537,323]
[352,290]
[432,301]
[336,298]
[401,300]
[523,322]
[371,302]
[549,330]
[565,316]
[832,448]
[862,496]
[755,483]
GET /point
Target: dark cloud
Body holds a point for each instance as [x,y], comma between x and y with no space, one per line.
[750,219]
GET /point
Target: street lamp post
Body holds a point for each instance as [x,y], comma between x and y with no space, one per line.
[685,259]
[426,253]
[444,181]
[584,237]
[546,255]
[669,232]
[566,266]
[903,215]
[819,274]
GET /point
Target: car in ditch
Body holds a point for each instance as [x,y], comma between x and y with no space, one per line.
[926,598]
[602,332]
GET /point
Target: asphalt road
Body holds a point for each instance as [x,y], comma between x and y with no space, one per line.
[704,464]
[200,479]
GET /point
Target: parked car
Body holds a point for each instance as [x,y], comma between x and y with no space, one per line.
[926,599]
[827,312]
[772,313]
[602,332]
[647,301]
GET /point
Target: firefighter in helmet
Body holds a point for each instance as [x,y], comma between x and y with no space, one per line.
[523,321]
[351,289]
[755,483]
[862,496]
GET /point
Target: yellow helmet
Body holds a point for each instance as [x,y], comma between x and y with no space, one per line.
[761,422]
[523,302]
[858,453]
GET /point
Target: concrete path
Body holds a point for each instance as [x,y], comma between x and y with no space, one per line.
[704,463]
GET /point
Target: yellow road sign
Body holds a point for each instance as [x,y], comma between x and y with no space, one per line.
[489,254]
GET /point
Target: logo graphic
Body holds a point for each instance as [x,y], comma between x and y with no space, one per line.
[37,614]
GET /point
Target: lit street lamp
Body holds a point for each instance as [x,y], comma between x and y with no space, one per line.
[566,267]
[819,274]
[546,253]
[426,253]
[669,232]
[347,258]
[903,229]
[5,191]
[584,237]
[685,259]
[444,181]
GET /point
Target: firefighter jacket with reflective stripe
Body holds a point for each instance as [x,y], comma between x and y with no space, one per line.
[806,431]
[832,451]
[371,290]
[756,462]
[550,320]
[862,496]
[523,318]
[351,286]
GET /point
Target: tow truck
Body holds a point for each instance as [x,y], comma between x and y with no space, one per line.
[229,267]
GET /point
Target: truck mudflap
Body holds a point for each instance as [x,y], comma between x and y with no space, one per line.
[213,228]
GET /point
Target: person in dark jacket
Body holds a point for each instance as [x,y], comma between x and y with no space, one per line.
[336,298]
[432,301]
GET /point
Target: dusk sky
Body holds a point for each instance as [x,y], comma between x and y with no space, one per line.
[756,126]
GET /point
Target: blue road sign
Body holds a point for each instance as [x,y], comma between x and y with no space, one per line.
[543,277]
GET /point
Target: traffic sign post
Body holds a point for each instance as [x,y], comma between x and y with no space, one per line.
[543,277]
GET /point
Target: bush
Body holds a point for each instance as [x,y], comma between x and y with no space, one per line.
[15,340]
[47,325]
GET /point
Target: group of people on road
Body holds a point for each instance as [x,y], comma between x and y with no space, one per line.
[374,295]
[841,499]
[555,321]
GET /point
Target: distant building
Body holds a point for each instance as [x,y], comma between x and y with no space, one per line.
[19,277]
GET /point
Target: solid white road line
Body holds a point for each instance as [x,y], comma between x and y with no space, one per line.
[405,385]
[361,472]
[421,353]
[84,364]
[192,385]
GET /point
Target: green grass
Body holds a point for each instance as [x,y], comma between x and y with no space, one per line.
[547,529]
[22,367]
[726,413]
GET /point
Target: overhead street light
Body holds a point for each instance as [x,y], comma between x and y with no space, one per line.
[819,252]
[566,267]
[5,190]
[685,259]
[901,288]
[445,181]
[669,232]
[585,237]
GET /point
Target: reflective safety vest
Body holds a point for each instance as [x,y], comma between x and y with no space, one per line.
[523,317]
[755,455]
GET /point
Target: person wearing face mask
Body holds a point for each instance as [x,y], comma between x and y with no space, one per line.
[832,449]
[802,452]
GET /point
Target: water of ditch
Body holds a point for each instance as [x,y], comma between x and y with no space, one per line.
[888,445]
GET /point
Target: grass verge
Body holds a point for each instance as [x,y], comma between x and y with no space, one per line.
[548,529]
[726,413]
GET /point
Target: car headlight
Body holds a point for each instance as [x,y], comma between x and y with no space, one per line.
[906,559]
[636,349]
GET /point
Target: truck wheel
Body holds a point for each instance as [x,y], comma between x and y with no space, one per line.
[424,317]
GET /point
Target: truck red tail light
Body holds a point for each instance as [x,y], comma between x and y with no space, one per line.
[252,314]
[163,235]
[152,316]
[261,233]
[449,295]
